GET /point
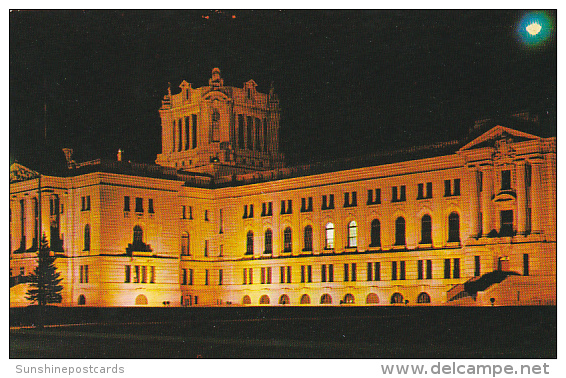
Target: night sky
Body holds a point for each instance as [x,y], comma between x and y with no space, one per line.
[349,82]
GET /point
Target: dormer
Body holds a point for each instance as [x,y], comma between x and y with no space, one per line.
[250,88]
[186,89]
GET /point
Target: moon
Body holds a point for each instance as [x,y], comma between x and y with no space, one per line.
[533,28]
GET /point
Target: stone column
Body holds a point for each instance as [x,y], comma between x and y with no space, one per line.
[521,198]
[472,189]
[487,190]
[536,197]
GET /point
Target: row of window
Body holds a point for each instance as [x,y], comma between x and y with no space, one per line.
[352,235]
[371,298]
[139,205]
[139,274]
[398,194]
[187,276]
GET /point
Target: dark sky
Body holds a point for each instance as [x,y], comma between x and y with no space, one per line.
[349,82]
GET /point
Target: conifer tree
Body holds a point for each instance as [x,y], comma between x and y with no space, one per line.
[45,280]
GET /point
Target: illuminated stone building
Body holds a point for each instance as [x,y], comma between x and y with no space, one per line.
[219,221]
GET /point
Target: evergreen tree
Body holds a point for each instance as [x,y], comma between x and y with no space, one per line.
[45,279]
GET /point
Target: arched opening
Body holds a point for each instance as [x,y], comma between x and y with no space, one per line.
[82,300]
[352,234]
[305,299]
[400,231]
[250,243]
[329,236]
[246,300]
[375,233]
[264,299]
[325,299]
[348,299]
[372,298]
[423,298]
[87,238]
[426,229]
[284,299]
[454,227]
[141,300]
[308,238]
[396,298]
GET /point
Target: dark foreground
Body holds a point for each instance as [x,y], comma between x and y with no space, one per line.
[290,332]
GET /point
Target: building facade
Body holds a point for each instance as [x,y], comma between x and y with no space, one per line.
[220,222]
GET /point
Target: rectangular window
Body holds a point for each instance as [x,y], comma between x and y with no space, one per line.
[456,187]
[139,205]
[151,274]
[346,272]
[525,264]
[456,273]
[420,191]
[331,201]
[245,212]
[369,274]
[269,275]
[403,196]
[184,277]
[127,273]
[393,270]
[402,270]
[206,276]
[137,274]
[150,206]
[191,276]
[249,133]
[505,179]
[446,268]
[281,274]
[282,206]
[288,274]
[194,126]
[241,143]
[190,212]
[477,266]
[183,212]
[251,275]
[506,223]
[447,190]
[206,248]
[81,273]
[245,276]
[126,203]
[420,269]
[429,190]
[394,194]
[262,276]
[251,212]
[323,273]
[302,273]
[370,197]
[377,271]
[309,273]
[354,272]
[324,203]
[330,273]
[429,269]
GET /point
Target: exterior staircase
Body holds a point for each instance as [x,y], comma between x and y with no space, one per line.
[471,287]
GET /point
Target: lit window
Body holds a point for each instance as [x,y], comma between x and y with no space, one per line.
[352,234]
[308,238]
[87,238]
[329,232]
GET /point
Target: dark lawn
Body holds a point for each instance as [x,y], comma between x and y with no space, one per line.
[290,332]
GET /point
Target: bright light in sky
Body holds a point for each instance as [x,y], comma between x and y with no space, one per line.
[535,28]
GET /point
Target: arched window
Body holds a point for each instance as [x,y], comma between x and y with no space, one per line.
[396,298]
[287,240]
[372,298]
[453,227]
[426,229]
[250,243]
[305,299]
[423,298]
[325,299]
[400,231]
[329,236]
[138,235]
[246,300]
[375,233]
[82,300]
[348,299]
[264,299]
[284,299]
[352,234]
[185,251]
[87,238]
[308,238]
[268,241]
[141,300]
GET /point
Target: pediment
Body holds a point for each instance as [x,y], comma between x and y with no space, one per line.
[497,136]
[19,172]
